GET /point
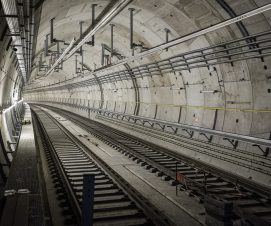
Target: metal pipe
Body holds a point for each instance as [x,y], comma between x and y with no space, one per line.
[144,72]
[61,57]
[249,14]
[194,35]
[231,13]
[116,9]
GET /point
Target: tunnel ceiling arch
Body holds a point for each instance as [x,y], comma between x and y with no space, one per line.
[231,96]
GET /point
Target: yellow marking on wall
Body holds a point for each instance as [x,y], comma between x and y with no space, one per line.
[186,106]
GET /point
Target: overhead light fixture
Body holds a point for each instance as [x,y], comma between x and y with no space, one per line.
[180,88]
[209,91]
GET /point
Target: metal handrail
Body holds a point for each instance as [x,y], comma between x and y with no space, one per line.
[255,141]
[234,136]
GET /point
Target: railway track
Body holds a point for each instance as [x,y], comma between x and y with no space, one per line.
[198,179]
[244,158]
[115,202]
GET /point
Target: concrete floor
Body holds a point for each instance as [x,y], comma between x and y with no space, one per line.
[231,94]
[181,209]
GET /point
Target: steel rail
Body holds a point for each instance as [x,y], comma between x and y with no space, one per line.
[74,150]
[180,139]
[49,144]
[162,162]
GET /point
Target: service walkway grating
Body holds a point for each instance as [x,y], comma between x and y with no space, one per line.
[25,206]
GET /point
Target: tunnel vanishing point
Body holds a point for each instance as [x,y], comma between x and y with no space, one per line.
[135,112]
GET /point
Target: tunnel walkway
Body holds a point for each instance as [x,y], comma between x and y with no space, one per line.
[22,196]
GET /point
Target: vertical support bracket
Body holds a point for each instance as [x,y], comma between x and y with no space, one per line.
[52,30]
[103,54]
[112,42]
[93,22]
[190,133]
[61,63]
[167,36]
[57,54]
[82,61]
[265,152]
[234,143]
[131,28]
[81,48]
[210,138]
[40,62]
[81,32]
[76,63]
[46,45]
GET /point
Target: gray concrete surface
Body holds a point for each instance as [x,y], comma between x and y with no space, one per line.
[181,209]
[241,105]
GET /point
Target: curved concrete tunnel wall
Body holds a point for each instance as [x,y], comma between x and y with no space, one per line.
[242,104]
[10,83]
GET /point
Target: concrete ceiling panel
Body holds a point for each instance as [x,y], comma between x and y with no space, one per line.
[238,85]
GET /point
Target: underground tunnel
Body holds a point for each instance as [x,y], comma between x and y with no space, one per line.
[135,112]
